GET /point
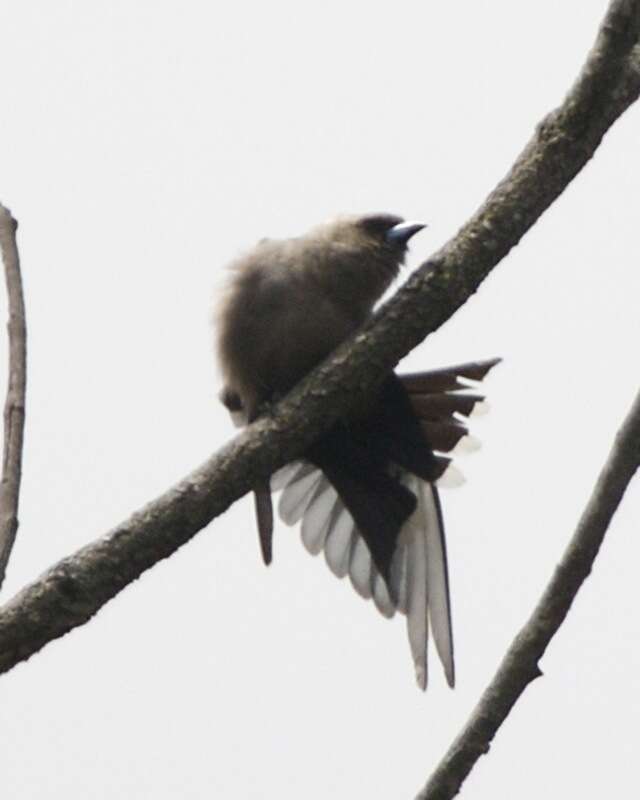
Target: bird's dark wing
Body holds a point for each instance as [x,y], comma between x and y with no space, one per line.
[377,502]
[418,573]
[419,579]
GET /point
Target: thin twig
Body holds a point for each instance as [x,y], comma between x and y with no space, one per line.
[15,402]
[68,594]
[520,664]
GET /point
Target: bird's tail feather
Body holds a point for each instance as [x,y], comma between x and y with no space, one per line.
[439,599]
[264,518]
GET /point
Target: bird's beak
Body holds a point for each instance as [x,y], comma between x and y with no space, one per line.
[403,231]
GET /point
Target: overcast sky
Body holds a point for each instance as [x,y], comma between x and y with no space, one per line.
[142,146]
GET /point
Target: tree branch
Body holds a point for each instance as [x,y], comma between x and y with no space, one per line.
[520,664]
[15,402]
[74,589]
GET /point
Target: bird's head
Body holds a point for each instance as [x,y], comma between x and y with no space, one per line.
[381,236]
[355,258]
[364,253]
[388,231]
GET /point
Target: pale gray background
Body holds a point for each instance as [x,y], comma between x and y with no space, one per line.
[143,145]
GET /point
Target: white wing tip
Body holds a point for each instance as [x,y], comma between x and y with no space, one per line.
[467,445]
[452,478]
[480,409]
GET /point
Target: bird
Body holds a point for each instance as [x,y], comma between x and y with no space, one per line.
[366,491]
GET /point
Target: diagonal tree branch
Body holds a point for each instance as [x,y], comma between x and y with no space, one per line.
[15,402]
[74,589]
[520,664]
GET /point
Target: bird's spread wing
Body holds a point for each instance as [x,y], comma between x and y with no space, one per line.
[418,582]
[419,578]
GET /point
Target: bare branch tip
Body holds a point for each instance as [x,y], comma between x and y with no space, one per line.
[15,399]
